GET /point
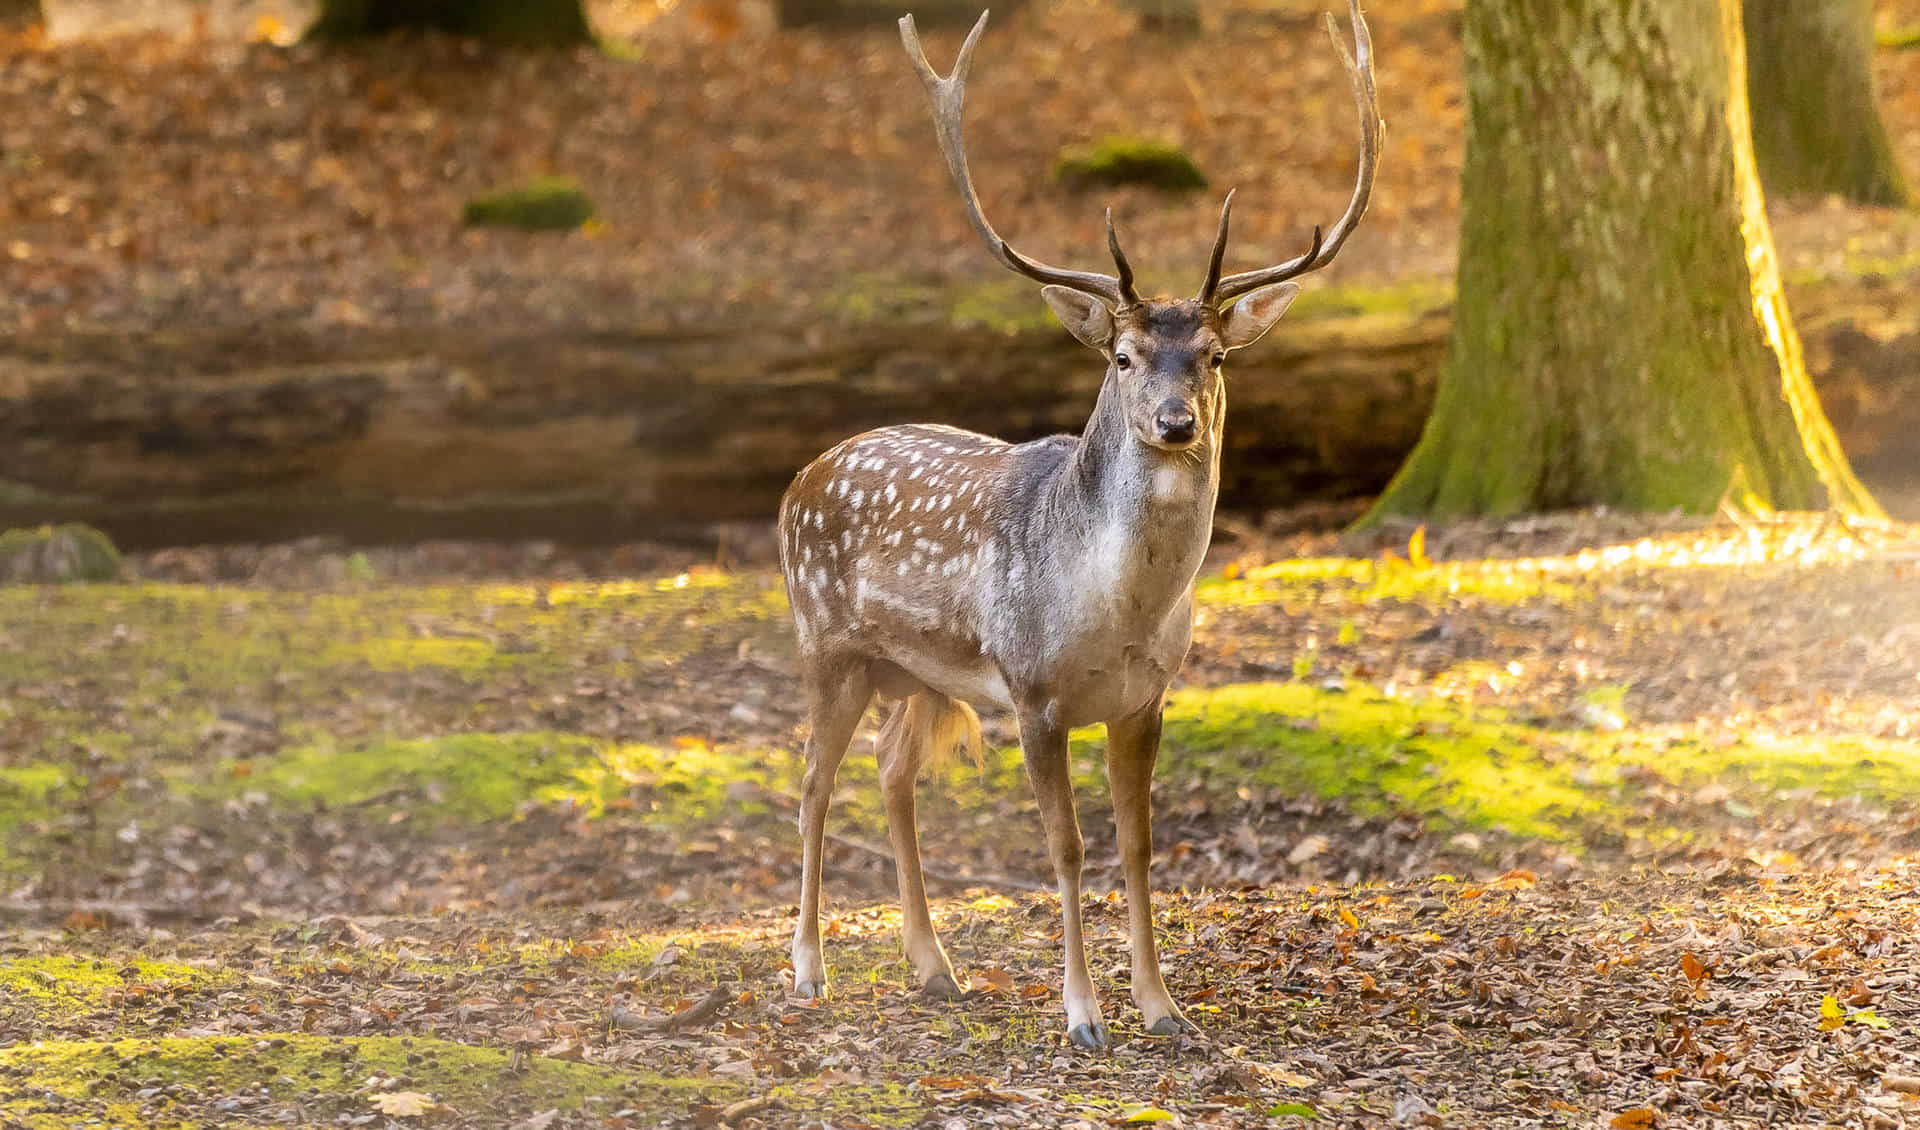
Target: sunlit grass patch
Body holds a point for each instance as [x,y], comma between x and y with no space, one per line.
[462,777]
[69,982]
[1825,766]
[406,654]
[481,777]
[1461,766]
[27,791]
[1369,581]
[1465,766]
[223,1080]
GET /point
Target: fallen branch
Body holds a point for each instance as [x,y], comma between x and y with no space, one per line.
[702,1011]
[734,1112]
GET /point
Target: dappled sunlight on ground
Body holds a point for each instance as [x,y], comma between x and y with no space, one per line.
[1524,803]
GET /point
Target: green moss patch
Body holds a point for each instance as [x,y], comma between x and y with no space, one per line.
[546,204]
[460,778]
[212,1081]
[1401,300]
[1129,160]
[1464,767]
[474,778]
[69,980]
[1476,767]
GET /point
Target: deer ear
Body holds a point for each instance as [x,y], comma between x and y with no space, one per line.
[1085,316]
[1250,319]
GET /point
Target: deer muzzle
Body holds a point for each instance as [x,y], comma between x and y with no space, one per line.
[1174,423]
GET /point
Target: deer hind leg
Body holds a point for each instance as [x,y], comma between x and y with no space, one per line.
[922,725]
[1133,744]
[837,700]
[1044,742]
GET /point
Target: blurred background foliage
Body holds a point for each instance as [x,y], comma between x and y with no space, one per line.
[295,218]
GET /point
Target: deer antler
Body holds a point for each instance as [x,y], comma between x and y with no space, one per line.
[948,95]
[1359,64]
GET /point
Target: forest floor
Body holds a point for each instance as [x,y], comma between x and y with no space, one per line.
[1570,821]
[789,177]
[1561,822]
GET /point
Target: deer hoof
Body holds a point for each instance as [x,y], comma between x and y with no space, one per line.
[812,990]
[1171,1026]
[940,986]
[1091,1036]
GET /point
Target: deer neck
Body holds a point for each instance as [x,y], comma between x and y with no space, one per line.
[1128,518]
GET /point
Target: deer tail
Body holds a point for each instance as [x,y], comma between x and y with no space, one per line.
[931,727]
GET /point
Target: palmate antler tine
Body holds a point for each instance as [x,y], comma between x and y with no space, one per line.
[1359,64]
[948,96]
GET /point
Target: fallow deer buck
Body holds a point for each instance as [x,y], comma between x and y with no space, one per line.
[939,568]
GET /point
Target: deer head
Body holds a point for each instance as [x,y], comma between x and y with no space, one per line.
[1164,355]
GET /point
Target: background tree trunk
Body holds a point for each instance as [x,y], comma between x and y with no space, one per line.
[1620,335]
[512,23]
[18,14]
[1816,128]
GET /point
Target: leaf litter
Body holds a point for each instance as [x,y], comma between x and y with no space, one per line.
[1704,952]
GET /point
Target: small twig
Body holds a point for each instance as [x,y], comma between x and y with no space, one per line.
[702,1011]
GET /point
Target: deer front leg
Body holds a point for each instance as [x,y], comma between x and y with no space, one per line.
[837,700]
[1044,742]
[1133,744]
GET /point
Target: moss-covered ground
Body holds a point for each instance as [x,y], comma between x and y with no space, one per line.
[295,855]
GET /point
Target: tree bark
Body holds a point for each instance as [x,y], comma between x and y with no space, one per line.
[1816,128]
[1620,336]
[16,15]
[509,23]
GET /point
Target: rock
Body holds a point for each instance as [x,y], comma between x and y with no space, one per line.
[57,555]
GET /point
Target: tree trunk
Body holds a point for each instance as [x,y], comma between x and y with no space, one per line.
[16,15]
[1816,128]
[1620,336]
[510,23]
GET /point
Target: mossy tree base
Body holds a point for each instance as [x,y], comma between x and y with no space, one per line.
[1621,337]
[510,23]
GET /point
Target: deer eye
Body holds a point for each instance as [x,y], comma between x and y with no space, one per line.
[1219,359]
[1123,361]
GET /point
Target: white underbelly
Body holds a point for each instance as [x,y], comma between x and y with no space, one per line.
[979,682]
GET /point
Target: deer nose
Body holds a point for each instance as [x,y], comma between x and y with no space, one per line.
[1174,420]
